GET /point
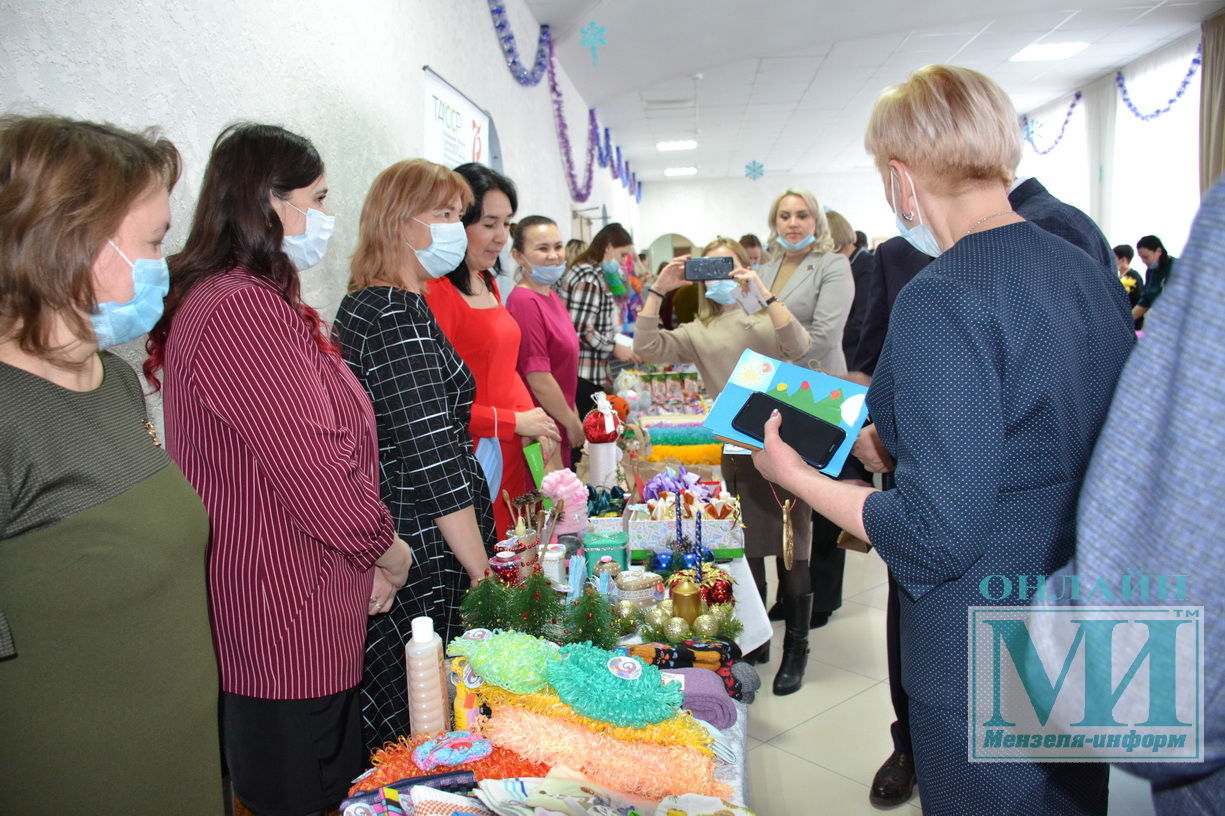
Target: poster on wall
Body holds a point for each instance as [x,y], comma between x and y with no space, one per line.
[456,130]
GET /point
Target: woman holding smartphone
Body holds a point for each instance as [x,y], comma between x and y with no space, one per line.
[714,342]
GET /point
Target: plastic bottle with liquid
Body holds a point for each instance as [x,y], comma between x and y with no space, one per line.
[428,711]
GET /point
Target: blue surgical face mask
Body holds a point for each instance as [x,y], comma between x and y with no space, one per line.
[919,236]
[756,267]
[448,243]
[308,249]
[116,323]
[803,243]
[547,275]
[722,292]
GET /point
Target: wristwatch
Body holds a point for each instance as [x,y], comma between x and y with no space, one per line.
[772,299]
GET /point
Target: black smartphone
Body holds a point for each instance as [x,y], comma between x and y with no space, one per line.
[813,438]
[702,269]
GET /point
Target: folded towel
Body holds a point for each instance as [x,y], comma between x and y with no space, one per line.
[706,697]
[748,679]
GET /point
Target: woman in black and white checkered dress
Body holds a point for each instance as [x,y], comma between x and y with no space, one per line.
[422,395]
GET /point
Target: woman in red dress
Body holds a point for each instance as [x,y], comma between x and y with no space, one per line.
[468,307]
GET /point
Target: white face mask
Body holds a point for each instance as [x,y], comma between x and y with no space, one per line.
[920,236]
[307,250]
[448,244]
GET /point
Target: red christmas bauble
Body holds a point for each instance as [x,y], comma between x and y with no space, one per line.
[718,592]
[595,429]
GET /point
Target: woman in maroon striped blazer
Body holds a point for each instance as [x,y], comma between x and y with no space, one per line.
[276,435]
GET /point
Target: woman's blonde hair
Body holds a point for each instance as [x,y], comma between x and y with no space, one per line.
[839,230]
[823,241]
[708,310]
[400,192]
[951,124]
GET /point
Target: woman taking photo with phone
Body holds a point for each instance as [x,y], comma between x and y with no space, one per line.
[714,342]
[278,438]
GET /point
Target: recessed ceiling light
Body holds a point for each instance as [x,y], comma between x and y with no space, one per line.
[681,171]
[679,144]
[1048,52]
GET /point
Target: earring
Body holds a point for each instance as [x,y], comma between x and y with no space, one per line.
[907,216]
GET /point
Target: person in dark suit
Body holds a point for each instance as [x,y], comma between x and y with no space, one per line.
[1029,198]
[1009,342]
[896,263]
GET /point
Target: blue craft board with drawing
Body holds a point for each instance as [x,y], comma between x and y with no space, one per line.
[825,396]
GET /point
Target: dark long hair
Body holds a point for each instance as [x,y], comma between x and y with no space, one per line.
[481,179]
[1152,243]
[612,235]
[235,226]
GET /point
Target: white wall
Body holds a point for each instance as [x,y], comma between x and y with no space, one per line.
[346,75]
[700,209]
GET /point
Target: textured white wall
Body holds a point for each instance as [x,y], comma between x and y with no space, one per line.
[346,75]
[700,209]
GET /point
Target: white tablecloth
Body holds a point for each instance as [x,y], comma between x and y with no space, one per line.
[749,608]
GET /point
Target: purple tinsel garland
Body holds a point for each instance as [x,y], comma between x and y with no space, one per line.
[506,38]
[544,64]
[1182,89]
[1028,126]
[579,192]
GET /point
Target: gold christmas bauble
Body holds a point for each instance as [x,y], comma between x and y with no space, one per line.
[630,610]
[720,612]
[706,626]
[676,629]
[666,605]
[656,617]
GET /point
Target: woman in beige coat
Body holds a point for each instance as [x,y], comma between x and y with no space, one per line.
[809,277]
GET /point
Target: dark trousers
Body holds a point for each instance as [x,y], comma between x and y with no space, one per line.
[826,565]
[893,649]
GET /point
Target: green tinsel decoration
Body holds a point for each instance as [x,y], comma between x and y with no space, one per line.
[535,608]
[589,619]
[486,605]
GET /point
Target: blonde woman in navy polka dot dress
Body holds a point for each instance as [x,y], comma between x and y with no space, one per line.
[992,385]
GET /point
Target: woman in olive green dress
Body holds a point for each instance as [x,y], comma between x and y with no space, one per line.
[108,679]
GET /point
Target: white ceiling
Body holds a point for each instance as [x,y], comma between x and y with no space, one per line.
[790,83]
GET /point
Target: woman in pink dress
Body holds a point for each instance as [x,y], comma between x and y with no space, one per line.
[548,350]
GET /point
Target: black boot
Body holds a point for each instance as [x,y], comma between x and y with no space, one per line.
[761,654]
[797,610]
[776,611]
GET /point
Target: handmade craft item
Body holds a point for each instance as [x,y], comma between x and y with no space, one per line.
[642,769]
[611,687]
[680,729]
[602,427]
[513,660]
[563,485]
[394,763]
[451,748]
[706,698]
